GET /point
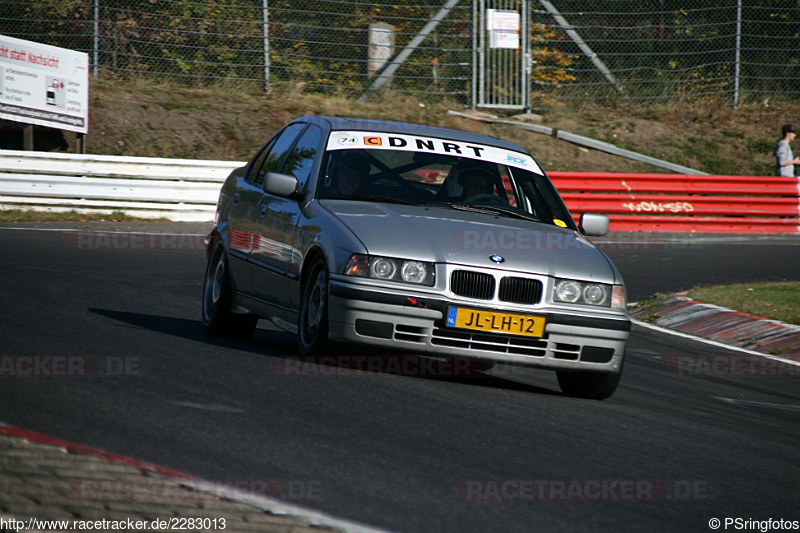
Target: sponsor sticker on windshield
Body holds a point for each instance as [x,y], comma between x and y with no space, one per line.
[347,140]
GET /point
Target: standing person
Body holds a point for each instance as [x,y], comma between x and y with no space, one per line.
[784,159]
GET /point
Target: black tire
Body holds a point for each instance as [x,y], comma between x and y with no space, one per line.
[312,330]
[218,318]
[590,385]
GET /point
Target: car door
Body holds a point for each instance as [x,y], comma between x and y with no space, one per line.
[244,217]
[276,259]
[246,195]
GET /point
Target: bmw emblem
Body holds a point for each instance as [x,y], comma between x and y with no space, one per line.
[496,258]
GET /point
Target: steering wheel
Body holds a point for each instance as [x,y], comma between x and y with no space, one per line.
[478,197]
[409,188]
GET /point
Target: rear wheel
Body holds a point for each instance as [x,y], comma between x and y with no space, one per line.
[313,327]
[218,318]
[592,385]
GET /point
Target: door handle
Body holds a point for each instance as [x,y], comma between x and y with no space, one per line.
[236,198]
[263,210]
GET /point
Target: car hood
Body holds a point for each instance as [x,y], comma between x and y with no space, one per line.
[443,235]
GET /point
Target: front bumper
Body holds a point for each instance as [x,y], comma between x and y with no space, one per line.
[416,323]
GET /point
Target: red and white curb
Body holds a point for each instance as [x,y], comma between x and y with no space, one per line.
[259,501]
[679,314]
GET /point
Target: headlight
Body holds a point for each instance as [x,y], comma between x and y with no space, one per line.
[594,294]
[414,271]
[389,268]
[568,291]
[383,268]
[586,293]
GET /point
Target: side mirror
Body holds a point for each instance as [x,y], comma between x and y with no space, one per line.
[281,184]
[593,225]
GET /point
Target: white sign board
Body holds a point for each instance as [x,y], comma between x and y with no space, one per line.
[503,26]
[504,39]
[502,20]
[44,85]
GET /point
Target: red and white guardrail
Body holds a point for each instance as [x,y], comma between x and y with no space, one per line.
[684,203]
[188,190]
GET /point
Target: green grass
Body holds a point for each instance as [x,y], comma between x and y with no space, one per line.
[29,215]
[776,300]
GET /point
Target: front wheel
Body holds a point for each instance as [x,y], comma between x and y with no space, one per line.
[313,327]
[591,385]
[218,318]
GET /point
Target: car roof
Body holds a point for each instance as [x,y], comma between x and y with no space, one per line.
[339,123]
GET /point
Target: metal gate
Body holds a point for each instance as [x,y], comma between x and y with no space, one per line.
[501,52]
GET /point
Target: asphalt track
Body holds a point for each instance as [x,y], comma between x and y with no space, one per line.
[668,452]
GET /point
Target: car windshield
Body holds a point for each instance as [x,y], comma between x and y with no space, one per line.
[435,179]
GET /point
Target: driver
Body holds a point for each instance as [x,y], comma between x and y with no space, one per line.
[348,173]
[475,182]
[466,183]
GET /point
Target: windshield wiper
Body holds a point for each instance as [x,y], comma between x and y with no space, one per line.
[493,210]
[365,198]
[389,200]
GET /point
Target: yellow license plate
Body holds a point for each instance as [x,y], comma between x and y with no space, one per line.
[493,322]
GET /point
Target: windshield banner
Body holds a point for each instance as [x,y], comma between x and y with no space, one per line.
[344,140]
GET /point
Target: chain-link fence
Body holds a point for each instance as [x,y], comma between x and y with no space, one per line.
[579,49]
[324,44]
[668,49]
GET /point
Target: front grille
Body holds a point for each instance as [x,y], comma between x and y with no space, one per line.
[568,352]
[507,344]
[410,333]
[520,290]
[472,284]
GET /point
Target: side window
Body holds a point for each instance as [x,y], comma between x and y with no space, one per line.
[274,155]
[300,160]
[259,160]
